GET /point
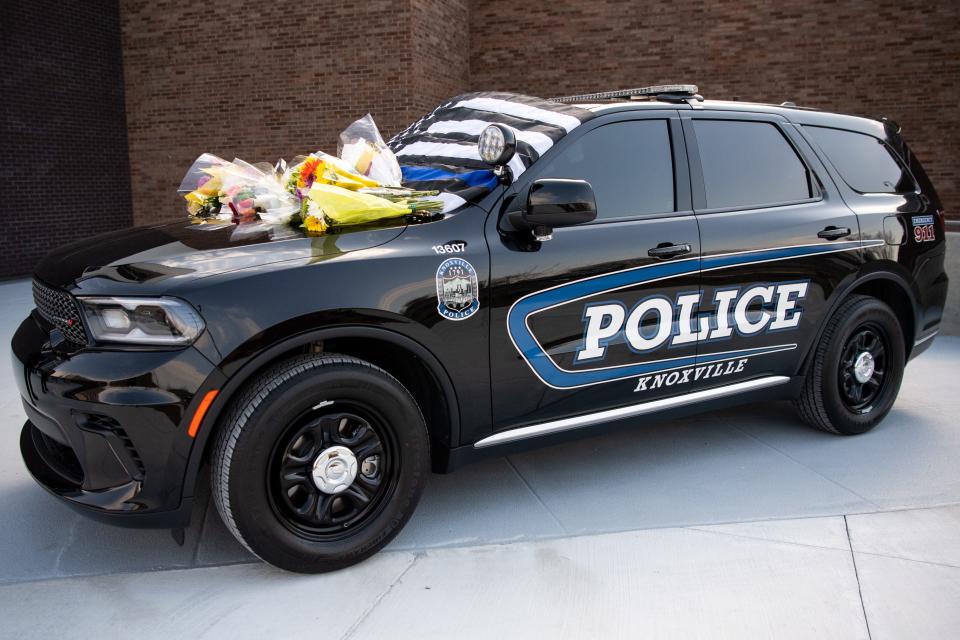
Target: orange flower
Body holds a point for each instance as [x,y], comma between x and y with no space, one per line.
[307,171]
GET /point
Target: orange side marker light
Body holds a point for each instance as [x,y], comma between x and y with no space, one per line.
[201,411]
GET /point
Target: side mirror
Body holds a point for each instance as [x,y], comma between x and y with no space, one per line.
[555,202]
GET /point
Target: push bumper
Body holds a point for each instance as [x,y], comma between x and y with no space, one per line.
[105,430]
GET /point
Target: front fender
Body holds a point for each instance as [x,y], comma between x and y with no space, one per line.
[254,356]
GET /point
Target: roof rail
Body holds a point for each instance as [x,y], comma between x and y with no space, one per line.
[667,92]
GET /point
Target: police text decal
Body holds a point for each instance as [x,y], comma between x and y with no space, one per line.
[658,321]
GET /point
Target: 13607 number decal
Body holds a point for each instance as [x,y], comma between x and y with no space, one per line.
[455,246]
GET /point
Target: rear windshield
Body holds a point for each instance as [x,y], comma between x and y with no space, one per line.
[864,162]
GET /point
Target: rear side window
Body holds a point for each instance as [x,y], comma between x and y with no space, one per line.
[629,164]
[864,162]
[749,164]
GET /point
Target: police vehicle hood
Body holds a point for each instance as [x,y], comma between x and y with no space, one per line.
[166,254]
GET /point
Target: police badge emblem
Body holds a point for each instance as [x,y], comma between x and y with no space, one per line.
[457,289]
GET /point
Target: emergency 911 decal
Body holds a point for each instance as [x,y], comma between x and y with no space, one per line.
[923,230]
[658,334]
[457,289]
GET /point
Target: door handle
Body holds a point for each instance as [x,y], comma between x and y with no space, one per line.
[669,250]
[832,233]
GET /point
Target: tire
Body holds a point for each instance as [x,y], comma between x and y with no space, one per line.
[828,399]
[321,410]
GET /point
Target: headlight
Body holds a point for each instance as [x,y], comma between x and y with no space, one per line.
[148,321]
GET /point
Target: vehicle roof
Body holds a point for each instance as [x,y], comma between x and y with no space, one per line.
[797,114]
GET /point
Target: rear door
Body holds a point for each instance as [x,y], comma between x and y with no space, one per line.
[777,240]
[562,339]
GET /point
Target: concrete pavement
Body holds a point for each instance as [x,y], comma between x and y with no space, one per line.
[884,575]
[740,523]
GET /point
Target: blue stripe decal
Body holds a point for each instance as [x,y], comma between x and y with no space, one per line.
[539,301]
[479,178]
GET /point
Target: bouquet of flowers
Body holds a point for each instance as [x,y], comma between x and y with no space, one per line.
[316,192]
[201,186]
[236,191]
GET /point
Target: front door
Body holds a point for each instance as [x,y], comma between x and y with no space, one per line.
[576,319]
[777,241]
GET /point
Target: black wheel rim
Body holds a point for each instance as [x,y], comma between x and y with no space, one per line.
[858,390]
[294,495]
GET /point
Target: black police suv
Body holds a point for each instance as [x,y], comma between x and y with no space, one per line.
[624,256]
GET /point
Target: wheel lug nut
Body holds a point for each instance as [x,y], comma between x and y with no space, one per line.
[370,466]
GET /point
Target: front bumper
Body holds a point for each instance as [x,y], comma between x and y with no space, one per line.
[106,430]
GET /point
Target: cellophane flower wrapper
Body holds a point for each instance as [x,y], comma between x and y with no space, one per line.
[236,191]
[316,192]
[201,186]
[256,192]
[363,148]
[345,207]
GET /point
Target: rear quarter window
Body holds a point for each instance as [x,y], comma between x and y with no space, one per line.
[864,162]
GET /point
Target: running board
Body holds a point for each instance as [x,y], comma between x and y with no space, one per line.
[643,408]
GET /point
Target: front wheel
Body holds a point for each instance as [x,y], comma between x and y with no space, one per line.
[855,376]
[320,462]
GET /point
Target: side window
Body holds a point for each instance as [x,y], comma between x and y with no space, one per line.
[749,164]
[629,164]
[864,162]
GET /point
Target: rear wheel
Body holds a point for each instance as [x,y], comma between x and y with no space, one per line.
[857,369]
[320,463]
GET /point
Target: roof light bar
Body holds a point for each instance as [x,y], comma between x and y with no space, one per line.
[688,90]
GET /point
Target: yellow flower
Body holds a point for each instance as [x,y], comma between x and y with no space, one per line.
[194,200]
[314,224]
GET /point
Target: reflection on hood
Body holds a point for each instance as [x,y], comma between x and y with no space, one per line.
[188,250]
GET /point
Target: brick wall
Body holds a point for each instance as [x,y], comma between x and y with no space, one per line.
[263,80]
[266,80]
[894,58]
[63,149]
[442,56]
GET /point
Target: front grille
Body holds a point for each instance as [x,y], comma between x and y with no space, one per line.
[60,310]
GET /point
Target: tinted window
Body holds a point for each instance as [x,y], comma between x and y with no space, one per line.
[629,165]
[749,164]
[864,162]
